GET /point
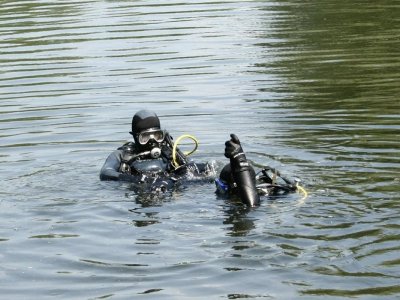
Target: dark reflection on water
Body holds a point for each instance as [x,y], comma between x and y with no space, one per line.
[310,88]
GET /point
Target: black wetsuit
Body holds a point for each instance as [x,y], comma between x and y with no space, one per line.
[127,163]
[239,178]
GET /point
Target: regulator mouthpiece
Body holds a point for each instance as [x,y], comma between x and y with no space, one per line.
[155,152]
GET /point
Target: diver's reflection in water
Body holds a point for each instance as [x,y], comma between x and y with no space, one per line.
[236,215]
[147,196]
[146,199]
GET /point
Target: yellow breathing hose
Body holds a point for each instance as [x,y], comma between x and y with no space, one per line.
[184,136]
[305,194]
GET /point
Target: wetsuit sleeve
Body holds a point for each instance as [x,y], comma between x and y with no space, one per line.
[245,181]
[110,169]
[243,174]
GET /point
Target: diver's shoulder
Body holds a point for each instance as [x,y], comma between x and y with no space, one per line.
[128,147]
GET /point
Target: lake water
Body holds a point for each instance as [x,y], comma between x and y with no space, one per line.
[310,87]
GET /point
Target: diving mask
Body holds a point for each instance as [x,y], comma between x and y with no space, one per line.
[156,134]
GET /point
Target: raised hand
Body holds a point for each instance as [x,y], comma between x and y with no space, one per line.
[233,147]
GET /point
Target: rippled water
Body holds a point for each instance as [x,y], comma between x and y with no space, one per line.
[310,88]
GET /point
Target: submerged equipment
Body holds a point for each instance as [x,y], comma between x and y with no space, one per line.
[152,166]
[129,157]
[269,182]
[272,186]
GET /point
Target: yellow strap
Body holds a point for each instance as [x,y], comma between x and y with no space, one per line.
[196,142]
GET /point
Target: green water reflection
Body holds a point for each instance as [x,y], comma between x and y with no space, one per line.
[339,66]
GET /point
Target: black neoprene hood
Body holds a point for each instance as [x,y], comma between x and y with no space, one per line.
[143,120]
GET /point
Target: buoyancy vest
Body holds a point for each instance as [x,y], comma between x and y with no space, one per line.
[136,163]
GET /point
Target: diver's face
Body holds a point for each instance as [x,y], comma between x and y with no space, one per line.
[150,138]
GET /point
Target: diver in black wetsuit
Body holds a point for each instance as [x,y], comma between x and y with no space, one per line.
[154,164]
[239,178]
[151,162]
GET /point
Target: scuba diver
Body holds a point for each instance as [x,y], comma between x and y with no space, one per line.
[239,178]
[153,163]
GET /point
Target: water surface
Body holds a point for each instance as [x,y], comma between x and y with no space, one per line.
[310,88]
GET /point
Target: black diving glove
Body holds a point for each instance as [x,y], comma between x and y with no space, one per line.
[233,148]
